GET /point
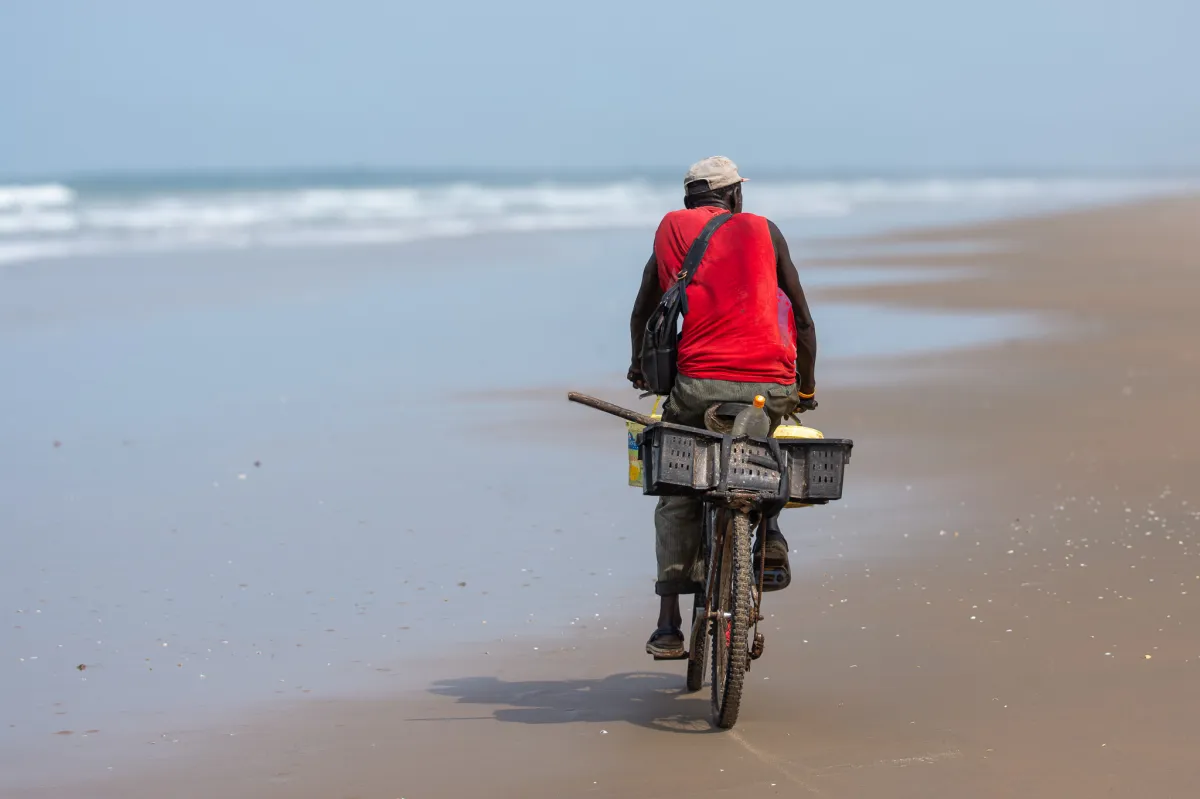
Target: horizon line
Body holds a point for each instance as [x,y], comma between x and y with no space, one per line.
[201,174]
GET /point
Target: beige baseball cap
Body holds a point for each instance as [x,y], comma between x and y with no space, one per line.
[712,173]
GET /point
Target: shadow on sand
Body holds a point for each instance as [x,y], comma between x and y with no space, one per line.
[654,700]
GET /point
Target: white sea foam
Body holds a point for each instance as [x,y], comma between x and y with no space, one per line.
[40,195]
[52,220]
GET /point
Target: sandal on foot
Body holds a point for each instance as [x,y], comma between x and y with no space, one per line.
[666,645]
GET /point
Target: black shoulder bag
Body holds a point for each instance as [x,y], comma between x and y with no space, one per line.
[660,345]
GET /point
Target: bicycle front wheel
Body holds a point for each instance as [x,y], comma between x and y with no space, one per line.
[731,625]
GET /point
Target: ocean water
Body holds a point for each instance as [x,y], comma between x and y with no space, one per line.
[166,214]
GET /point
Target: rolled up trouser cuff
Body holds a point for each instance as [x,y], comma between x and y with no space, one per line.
[672,587]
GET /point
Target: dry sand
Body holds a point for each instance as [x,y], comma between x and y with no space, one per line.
[1021,622]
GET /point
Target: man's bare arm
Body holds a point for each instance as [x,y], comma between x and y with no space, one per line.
[806,331]
[647,300]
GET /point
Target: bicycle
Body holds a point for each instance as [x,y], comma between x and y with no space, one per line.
[740,482]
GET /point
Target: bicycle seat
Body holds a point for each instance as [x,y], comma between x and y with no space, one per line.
[720,416]
[729,410]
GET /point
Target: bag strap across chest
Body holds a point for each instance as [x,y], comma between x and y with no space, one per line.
[695,254]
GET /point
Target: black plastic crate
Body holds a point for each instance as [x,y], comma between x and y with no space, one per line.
[680,460]
[818,468]
[676,460]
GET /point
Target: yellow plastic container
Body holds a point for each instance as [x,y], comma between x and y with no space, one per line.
[633,430]
[797,431]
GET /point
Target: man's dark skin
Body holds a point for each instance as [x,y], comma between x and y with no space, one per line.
[650,293]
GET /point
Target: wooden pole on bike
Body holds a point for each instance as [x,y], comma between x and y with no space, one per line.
[608,407]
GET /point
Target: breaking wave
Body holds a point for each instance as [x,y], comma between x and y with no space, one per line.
[54,220]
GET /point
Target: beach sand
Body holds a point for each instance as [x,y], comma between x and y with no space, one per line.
[1004,605]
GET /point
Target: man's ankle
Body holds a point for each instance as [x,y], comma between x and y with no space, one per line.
[669,617]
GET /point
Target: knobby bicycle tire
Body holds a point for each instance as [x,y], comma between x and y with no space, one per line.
[698,646]
[730,652]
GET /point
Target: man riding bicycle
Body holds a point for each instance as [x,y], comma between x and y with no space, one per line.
[748,332]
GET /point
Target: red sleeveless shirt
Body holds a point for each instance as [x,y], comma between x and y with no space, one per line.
[739,325]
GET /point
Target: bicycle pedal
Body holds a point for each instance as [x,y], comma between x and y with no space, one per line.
[776,579]
[684,656]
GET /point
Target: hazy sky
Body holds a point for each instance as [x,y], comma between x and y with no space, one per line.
[888,84]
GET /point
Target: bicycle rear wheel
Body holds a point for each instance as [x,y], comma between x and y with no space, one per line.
[730,628]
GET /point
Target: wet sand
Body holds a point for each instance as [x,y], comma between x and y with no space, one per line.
[1005,604]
